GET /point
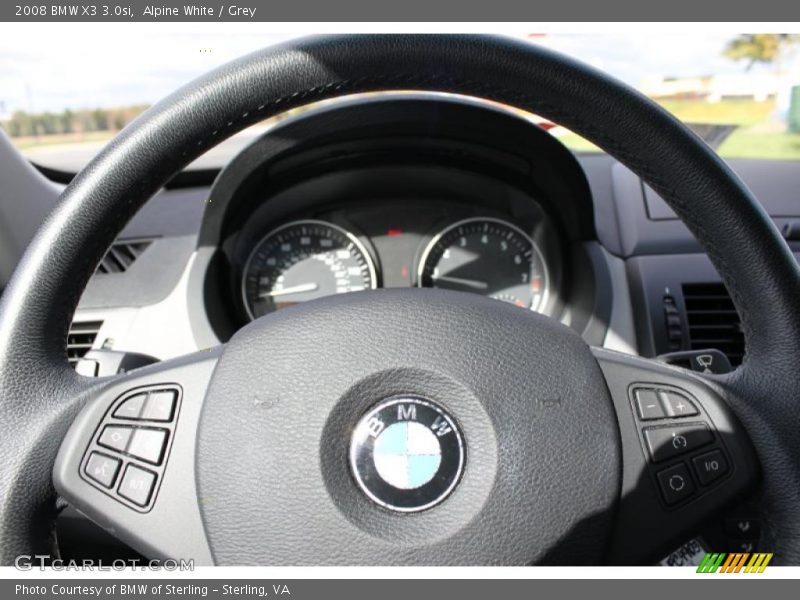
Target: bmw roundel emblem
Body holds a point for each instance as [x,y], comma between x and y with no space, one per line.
[407,454]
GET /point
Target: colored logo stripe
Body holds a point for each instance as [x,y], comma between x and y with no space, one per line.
[711,562]
[735,562]
[758,563]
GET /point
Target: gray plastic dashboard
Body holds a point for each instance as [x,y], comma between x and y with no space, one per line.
[140,308]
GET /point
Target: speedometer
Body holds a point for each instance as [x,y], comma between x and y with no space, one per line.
[490,257]
[301,261]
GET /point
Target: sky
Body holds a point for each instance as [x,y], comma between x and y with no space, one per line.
[50,66]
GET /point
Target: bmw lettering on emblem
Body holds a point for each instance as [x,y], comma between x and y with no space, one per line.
[407,454]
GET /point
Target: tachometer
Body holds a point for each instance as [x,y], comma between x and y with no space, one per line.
[487,256]
[301,261]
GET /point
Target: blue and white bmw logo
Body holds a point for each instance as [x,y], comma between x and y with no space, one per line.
[407,454]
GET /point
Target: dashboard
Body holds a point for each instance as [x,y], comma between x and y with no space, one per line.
[400,192]
[410,243]
[409,191]
[404,179]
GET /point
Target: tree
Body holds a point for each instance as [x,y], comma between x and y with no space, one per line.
[99,119]
[760,47]
[67,121]
[22,124]
[118,119]
[47,123]
[79,121]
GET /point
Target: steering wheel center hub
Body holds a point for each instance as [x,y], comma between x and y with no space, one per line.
[469,458]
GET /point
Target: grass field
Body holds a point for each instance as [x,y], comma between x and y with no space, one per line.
[757,136]
[743,144]
[729,112]
[24,143]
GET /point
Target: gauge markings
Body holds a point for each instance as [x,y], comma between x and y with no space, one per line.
[302,261]
[487,256]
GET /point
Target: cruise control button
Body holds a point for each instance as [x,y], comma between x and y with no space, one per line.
[675,483]
[648,405]
[137,485]
[159,405]
[115,438]
[710,466]
[677,405]
[148,444]
[666,442]
[131,408]
[103,469]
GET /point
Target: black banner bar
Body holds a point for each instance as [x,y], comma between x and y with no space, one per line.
[443,11]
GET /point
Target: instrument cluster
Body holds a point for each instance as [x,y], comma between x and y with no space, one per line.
[308,258]
[401,192]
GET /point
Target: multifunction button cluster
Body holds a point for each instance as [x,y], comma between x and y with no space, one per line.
[128,452]
[683,450]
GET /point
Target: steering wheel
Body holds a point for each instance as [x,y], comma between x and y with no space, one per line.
[268,450]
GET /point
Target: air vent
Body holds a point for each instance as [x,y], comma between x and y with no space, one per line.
[81,338]
[713,321]
[122,255]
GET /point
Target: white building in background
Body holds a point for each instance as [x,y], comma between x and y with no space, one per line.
[713,88]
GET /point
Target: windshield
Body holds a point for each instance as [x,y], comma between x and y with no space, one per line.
[64,92]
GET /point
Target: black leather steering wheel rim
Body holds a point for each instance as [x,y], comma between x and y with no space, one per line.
[39,394]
